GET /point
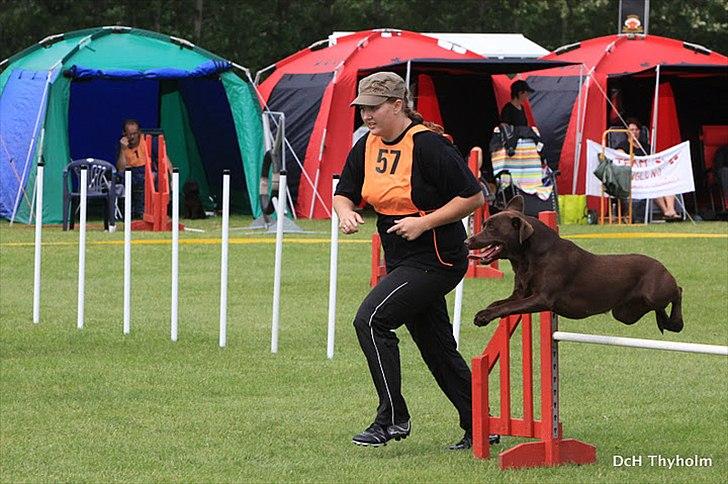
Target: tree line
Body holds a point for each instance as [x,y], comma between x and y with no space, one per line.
[257,33]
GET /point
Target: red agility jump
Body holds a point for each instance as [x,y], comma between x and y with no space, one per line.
[156,199]
[551,449]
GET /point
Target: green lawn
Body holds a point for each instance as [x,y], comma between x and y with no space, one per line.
[95,405]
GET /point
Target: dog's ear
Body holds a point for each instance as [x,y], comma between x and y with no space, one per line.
[516,204]
[525,229]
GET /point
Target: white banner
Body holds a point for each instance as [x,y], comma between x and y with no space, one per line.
[668,172]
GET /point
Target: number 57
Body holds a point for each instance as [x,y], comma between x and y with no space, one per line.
[382,160]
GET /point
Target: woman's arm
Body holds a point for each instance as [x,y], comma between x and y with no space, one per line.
[456,209]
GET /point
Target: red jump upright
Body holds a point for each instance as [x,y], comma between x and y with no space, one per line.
[551,449]
[475,268]
[156,199]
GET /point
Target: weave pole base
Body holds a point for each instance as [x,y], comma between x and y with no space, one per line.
[547,454]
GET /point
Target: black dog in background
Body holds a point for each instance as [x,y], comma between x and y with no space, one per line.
[193,205]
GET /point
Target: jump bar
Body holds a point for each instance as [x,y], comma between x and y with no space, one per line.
[641,343]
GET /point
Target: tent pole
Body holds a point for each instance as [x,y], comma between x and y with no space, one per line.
[407,76]
[655,108]
[30,148]
[580,133]
[578,127]
[318,174]
[653,138]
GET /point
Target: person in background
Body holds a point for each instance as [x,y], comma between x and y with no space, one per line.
[513,112]
[133,154]
[642,148]
[420,188]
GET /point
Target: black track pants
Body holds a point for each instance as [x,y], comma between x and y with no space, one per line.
[415,298]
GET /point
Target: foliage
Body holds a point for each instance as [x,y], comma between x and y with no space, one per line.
[257,34]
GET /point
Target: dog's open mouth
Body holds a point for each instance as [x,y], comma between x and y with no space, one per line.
[487,254]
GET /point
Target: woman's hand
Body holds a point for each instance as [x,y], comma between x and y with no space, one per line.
[349,221]
[409,228]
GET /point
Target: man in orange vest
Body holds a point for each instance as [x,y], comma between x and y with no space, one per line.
[133,154]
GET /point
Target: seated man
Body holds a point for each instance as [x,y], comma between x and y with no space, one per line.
[133,154]
[642,148]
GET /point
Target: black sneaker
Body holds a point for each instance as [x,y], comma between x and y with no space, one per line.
[399,431]
[467,441]
[374,436]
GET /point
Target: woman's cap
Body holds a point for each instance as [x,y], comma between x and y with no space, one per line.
[378,87]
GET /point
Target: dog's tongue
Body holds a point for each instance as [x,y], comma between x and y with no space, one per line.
[487,252]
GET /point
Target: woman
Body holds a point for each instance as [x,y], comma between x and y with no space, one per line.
[642,148]
[421,188]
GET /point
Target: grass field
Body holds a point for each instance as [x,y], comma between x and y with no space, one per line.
[94,405]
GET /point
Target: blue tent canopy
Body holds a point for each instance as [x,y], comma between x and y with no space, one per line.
[207,68]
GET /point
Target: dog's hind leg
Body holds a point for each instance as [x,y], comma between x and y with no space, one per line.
[675,322]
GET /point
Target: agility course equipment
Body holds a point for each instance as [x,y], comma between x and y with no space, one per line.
[551,449]
[156,198]
[333,265]
[280,209]
[38,237]
[174,315]
[127,251]
[82,248]
[475,268]
[224,240]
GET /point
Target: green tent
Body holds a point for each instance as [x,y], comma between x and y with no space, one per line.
[74,91]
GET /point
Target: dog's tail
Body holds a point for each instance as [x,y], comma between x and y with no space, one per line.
[675,321]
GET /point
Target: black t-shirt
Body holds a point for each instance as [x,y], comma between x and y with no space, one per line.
[513,116]
[439,174]
[624,146]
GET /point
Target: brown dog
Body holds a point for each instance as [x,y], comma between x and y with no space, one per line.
[555,274]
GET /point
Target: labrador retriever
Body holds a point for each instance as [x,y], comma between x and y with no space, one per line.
[554,274]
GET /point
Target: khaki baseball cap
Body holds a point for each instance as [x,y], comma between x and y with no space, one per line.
[377,88]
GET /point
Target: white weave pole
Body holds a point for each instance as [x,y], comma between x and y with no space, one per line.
[458,311]
[174,322]
[127,251]
[82,246]
[332,273]
[280,213]
[38,227]
[224,256]
[641,343]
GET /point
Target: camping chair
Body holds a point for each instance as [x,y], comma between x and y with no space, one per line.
[101,184]
[523,173]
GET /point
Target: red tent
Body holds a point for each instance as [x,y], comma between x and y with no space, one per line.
[314,87]
[570,103]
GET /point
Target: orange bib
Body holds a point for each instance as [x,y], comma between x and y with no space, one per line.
[388,174]
[135,157]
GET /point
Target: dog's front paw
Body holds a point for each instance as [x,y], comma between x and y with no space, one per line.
[483,317]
